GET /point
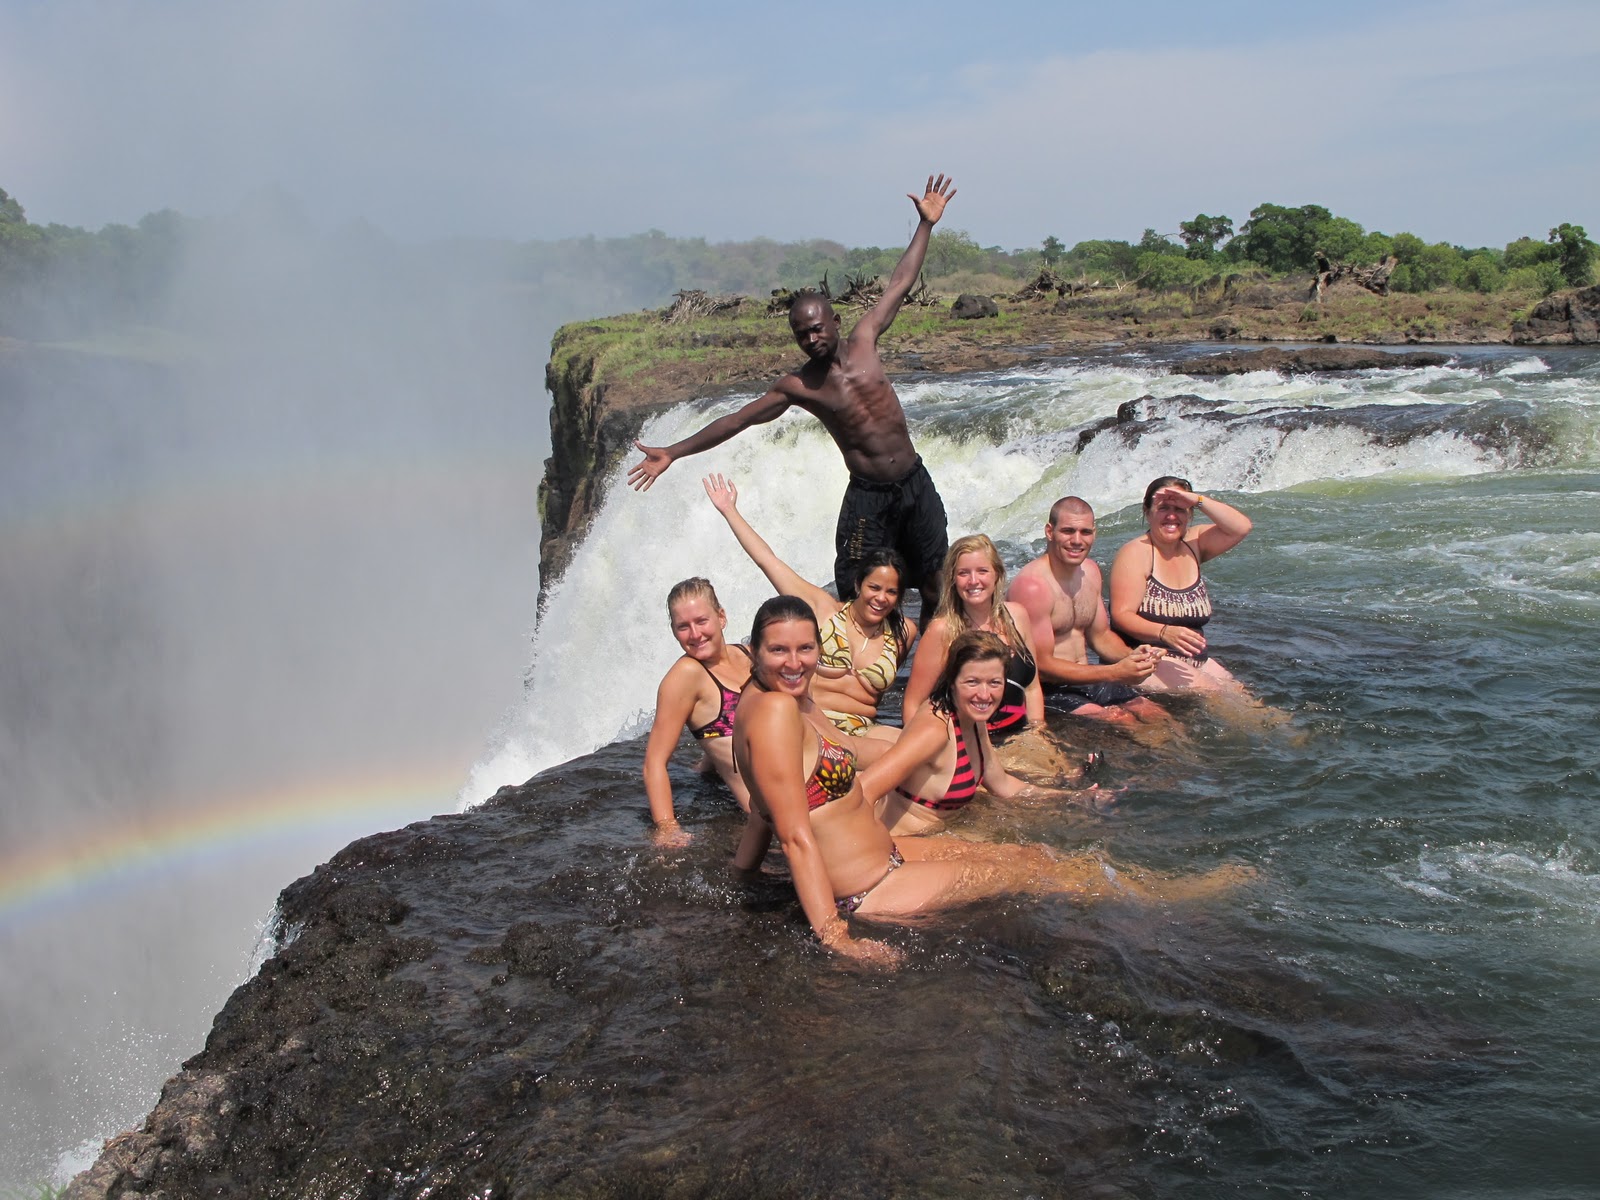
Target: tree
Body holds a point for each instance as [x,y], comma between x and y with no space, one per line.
[11,210]
[1053,249]
[1282,239]
[1202,234]
[1342,240]
[1102,260]
[1482,272]
[1160,272]
[1525,252]
[1154,243]
[952,250]
[1574,253]
[1423,267]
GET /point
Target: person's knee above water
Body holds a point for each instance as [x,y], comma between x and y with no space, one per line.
[698,693]
[864,637]
[1061,591]
[973,598]
[1158,595]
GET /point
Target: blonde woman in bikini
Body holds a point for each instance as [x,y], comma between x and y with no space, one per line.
[699,693]
[865,636]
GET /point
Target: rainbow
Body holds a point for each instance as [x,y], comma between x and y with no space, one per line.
[39,879]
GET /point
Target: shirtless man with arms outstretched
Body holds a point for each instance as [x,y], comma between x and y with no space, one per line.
[1061,591]
[891,501]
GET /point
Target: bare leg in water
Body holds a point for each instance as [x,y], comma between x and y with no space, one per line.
[943,872]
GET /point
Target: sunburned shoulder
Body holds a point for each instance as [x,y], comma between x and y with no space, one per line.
[1029,583]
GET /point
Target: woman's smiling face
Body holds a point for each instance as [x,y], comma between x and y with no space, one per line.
[978,687]
[975,578]
[787,656]
[698,627]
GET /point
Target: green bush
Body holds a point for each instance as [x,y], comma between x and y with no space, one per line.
[1159,271]
[1543,278]
[1482,273]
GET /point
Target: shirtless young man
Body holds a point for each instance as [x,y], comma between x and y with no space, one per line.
[891,500]
[1061,591]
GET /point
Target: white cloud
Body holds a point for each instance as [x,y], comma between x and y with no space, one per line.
[1473,122]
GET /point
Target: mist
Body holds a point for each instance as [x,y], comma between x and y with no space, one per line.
[270,577]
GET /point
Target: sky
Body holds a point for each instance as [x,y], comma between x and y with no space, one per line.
[1466,121]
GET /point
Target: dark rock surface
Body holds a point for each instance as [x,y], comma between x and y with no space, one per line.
[1311,360]
[1565,319]
[1504,427]
[971,307]
[527,1000]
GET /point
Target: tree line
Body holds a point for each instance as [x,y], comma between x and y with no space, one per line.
[1279,240]
[59,281]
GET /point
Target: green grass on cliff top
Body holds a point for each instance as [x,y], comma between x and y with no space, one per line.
[750,344]
[732,346]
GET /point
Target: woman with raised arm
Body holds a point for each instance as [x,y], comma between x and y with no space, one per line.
[973,598]
[1158,596]
[699,692]
[936,767]
[843,861]
[865,636]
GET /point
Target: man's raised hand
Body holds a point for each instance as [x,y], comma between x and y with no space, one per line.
[940,192]
[642,474]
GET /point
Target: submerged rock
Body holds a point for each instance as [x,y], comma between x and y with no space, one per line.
[1507,428]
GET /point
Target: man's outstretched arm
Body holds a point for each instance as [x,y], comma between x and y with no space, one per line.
[930,208]
[658,458]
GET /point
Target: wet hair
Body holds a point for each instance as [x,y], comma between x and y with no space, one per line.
[955,613]
[882,556]
[809,296]
[975,645]
[1068,504]
[781,608]
[688,589]
[1157,484]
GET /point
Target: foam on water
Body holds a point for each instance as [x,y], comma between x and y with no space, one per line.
[1506,879]
[1001,446]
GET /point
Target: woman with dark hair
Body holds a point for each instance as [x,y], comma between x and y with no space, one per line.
[1158,596]
[864,636]
[973,598]
[842,859]
[937,765]
[699,692]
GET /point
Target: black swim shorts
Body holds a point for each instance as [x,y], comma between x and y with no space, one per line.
[905,515]
[1070,697]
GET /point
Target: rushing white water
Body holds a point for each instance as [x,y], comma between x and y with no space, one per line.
[1002,448]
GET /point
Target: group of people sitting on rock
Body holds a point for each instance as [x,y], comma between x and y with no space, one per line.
[791,721]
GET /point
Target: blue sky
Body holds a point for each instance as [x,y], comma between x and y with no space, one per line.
[1471,122]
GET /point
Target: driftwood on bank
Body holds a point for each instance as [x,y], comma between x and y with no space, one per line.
[783,298]
[692,303]
[1374,279]
[862,291]
[1047,283]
